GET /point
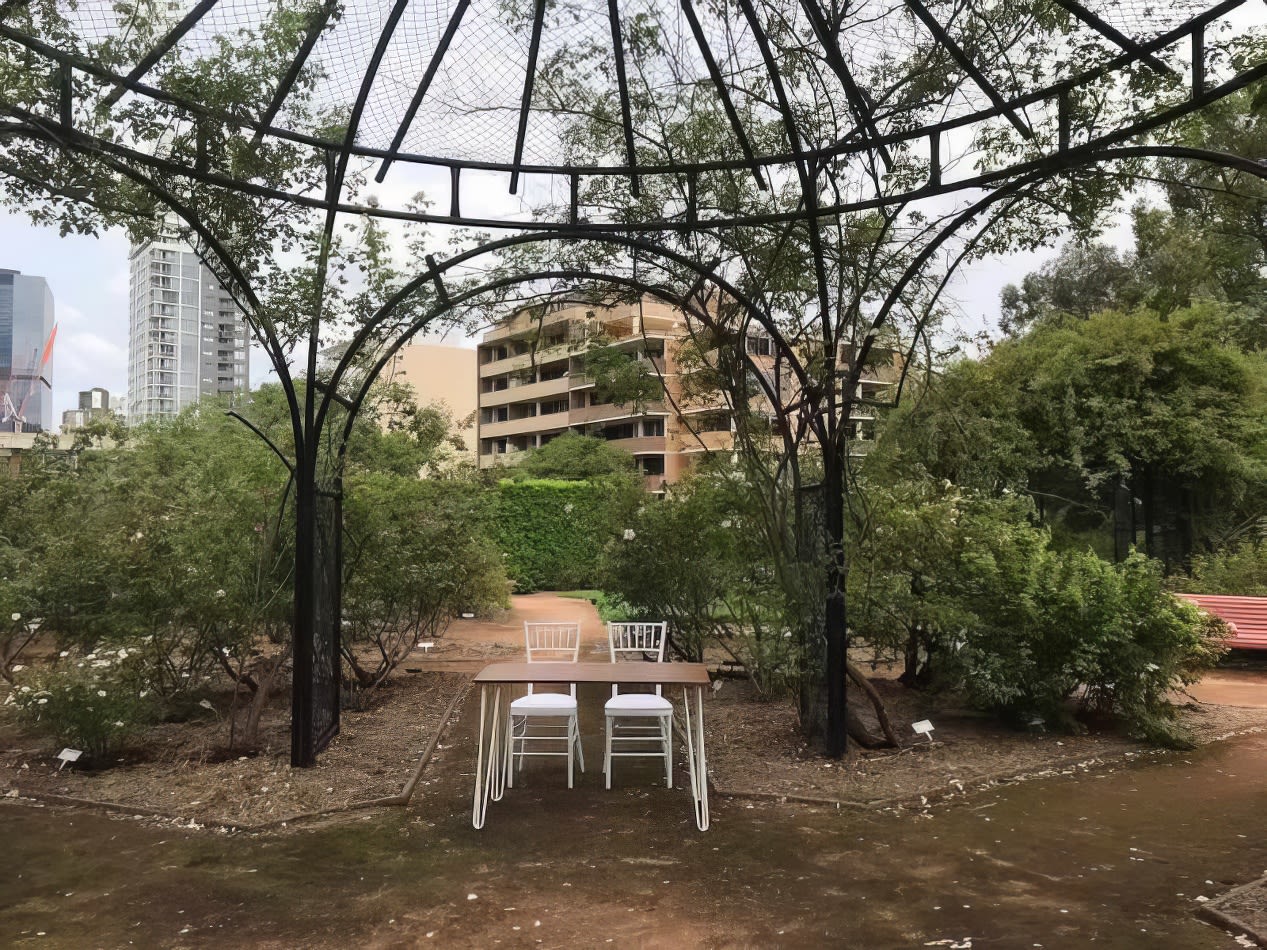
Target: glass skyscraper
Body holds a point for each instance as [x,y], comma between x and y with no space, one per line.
[26,353]
[186,338]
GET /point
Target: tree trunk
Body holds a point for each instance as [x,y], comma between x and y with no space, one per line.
[860,734]
[877,704]
[266,676]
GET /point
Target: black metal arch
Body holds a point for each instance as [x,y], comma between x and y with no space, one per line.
[867,139]
[682,301]
[766,131]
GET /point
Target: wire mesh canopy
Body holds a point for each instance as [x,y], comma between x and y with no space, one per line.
[535,90]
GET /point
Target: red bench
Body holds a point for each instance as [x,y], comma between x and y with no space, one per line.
[1246,616]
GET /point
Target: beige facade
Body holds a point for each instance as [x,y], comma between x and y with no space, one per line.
[533,387]
[440,373]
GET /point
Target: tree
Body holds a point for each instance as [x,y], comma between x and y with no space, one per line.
[419,554]
[1084,278]
[1168,409]
[577,457]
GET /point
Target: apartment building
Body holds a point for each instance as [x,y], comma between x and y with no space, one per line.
[186,336]
[533,387]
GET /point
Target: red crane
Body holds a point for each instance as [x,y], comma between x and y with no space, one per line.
[17,414]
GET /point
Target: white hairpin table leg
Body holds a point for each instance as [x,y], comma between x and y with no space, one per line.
[489,780]
[696,761]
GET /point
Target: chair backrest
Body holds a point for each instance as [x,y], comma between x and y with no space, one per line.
[636,641]
[552,642]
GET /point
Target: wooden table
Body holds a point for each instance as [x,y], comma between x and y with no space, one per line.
[490,764]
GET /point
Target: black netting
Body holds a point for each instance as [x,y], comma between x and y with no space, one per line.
[472,109]
[327,588]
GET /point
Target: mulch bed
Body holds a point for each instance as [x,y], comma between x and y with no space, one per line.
[754,749]
[177,774]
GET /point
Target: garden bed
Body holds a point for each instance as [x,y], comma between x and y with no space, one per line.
[180,769]
[755,749]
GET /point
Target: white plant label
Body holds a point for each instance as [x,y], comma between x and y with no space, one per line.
[68,755]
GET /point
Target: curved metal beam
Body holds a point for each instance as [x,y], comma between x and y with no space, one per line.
[834,150]
[668,296]
[1208,156]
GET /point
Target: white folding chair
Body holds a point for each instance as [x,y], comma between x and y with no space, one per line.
[539,722]
[637,721]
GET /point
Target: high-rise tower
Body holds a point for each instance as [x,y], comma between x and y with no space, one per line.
[26,353]
[186,337]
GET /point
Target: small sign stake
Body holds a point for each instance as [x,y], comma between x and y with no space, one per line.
[924,728]
[68,755]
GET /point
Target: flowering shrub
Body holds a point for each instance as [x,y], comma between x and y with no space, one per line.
[91,701]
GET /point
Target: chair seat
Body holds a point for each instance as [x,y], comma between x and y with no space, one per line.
[638,704]
[544,704]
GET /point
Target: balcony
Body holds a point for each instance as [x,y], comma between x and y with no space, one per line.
[524,360]
[500,430]
[530,392]
[607,411]
[641,445]
[685,441]
[500,458]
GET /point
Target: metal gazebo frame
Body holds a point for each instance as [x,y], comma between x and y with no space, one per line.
[80,86]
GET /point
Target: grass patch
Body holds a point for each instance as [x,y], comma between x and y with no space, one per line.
[611,609]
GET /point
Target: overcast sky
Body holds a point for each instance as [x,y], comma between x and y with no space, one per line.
[89,281]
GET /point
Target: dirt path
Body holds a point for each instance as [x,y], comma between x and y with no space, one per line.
[505,636]
[1117,859]
[1226,687]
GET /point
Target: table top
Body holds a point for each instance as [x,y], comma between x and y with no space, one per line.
[661,674]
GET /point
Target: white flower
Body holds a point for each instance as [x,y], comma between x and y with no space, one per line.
[118,724]
[568,508]
[101,692]
[220,593]
[138,536]
[15,616]
[629,534]
[726,523]
[142,694]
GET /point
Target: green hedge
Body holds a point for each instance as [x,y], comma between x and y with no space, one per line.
[552,532]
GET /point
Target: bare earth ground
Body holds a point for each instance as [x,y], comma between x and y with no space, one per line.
[180,770]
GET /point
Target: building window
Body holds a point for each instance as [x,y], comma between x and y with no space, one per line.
[651,464]
[623,431]
[653,427]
